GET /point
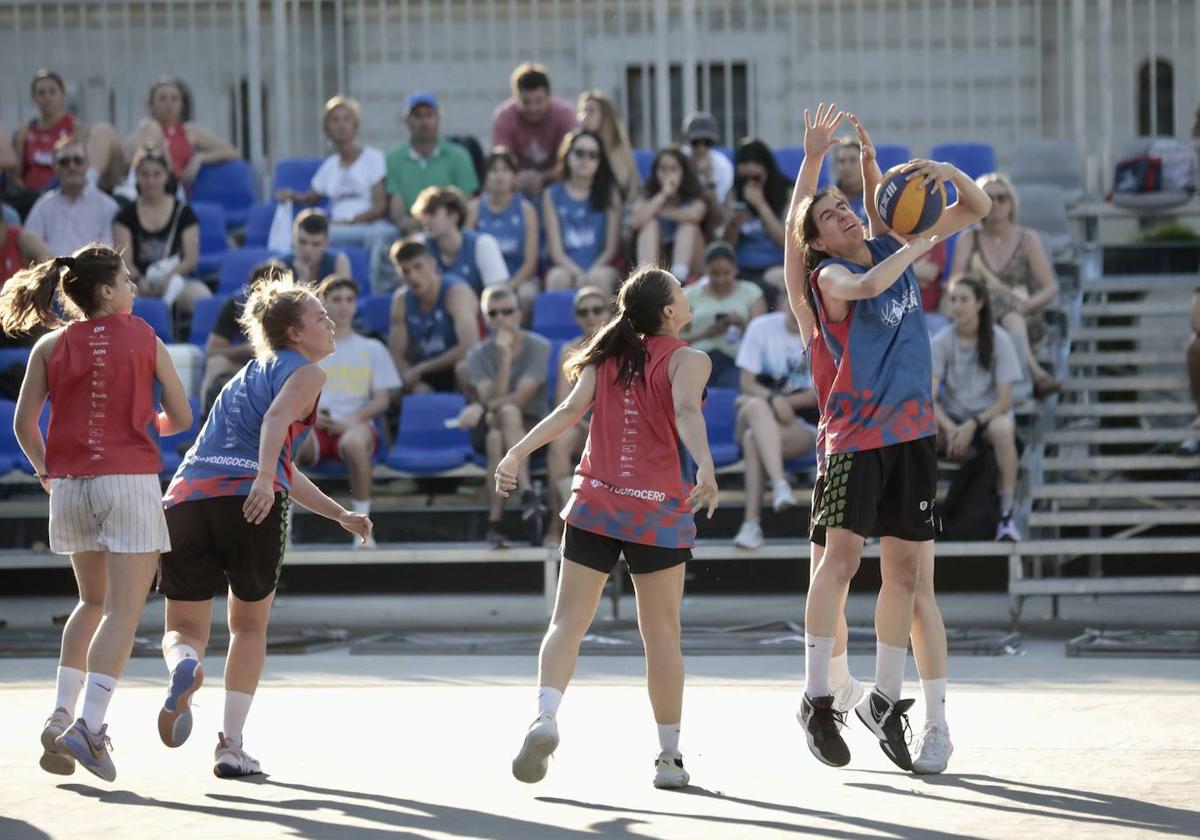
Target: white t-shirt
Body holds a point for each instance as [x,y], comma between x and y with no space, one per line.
[769,349]
[359,368]
[349,187]
[722,172]
[967,388]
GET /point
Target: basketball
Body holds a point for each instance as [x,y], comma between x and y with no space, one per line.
[905,207]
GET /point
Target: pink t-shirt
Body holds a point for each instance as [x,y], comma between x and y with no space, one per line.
[536,146]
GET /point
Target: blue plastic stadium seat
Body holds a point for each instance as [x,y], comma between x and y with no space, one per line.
[230,184]
[212,235]
[360,266]
[719,416]
[236,267]
[170,446]
[644,159]
[258,224]
[10,450]
[889,155]
[804,463]
[295,174]
[20,462]
[154,312]
[423,443]
[554,314]
[204,318]
[13,356]
[552,371]
[790,159]
[974,159]
[375,313]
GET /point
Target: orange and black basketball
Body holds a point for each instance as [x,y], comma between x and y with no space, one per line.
[905,207]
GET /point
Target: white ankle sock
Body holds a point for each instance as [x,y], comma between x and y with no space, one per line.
[360,505]
[97,694]
[548,701]
[817,652]
[178,652]
[68,684]
[889,669]
[668,738]
[237,707]
[839,671]
[935,700]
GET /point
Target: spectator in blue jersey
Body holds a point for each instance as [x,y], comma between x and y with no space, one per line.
[311,259]
[510,219]
[582,214]
[669,215]
[434,320]
[468,255]
[754,221]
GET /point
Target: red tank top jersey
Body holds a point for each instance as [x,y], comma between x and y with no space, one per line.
[11,258]
[102,396]
[38,167]
[179,148]
[634,477]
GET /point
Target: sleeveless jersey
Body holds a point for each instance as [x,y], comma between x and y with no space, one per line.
[508,227]
[38,165]
[583,229]
[823,371]
[179,148]
[464,266]
[224,459]
[882,393]
[103,391]
[429,333]
[634,477]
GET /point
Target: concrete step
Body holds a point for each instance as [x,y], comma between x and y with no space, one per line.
[1121,490]
[1080,518]
[1109,545]
[1118,309]
[1114,436]
[1143,333]
[1126,383]
[1123,462]
[1141,283]
[1126,409]
[1124,358]
[1103,586]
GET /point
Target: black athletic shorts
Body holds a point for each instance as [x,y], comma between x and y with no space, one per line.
[213,546]
[887,492]
[599,552]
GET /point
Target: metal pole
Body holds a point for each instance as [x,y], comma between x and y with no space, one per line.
[688,13]
[662,76]
[1079,80]
[254,84]
[281,94]
[1106,97]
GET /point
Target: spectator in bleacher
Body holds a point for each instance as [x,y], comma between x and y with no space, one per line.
[159,236]
[360,382]
[669,215]
[352,179]
[754,217]
[931,272]
[510,219]
[426,160]
[469,255]
[715,171]
[33,144]
[598,114]
[975,363]
[77,212]
[775,413]
[434,320]
[1010,259]
[847,172]
[186,144]
[507,373]
[582,214]
[18,248]
[312,259]
[722,307]
[532,124]
[592,311]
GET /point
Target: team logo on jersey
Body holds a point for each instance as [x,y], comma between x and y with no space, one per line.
[893,312]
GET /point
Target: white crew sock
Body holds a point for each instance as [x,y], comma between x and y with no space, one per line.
[935,700]
[548,701]
[360,505]
[97,694]
[668,739]
[68,684]
[237,707]
[818,650]
[680,271]
[889,669]
[839,671]
[178,652]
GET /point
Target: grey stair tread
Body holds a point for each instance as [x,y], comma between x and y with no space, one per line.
[1124,462]
[1126,409]
[1119,358]
[1112,545]
[1101,436]
[1140,282]
[1129,333]
[1173,516]
[1128,308]
[1101,585]
[1119,490]
[1126,383]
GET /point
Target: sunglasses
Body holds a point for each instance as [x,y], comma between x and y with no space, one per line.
[495,313]
[585,311]
[1001,197]
[703,142]
[585,154]
[754,179]
[71,160]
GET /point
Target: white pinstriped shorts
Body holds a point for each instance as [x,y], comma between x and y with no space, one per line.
[118,513]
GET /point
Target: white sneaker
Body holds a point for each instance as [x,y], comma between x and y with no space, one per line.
[847,696]
[54,760]
[669,773]
[533,760]
[782,497]
[934,749]
[231,761]
[749,536]
[1006,529]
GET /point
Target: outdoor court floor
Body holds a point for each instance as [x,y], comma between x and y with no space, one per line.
[419,747]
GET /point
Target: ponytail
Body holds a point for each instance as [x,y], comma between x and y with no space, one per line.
[29,297]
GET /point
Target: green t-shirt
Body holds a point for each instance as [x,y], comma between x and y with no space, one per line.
[449,165]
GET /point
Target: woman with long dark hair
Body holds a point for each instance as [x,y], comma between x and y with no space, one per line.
[756,207]
[634,494]
[582,214]
[669,214]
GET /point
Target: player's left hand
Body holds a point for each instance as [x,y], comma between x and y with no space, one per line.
[260,501]
[704,493]
[358,524]
[506,474]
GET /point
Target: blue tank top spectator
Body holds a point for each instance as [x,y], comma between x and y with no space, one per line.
[756,206]
[582,217]
[468,255]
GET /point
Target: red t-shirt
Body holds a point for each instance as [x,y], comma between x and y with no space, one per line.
[534,144]
[931,295]
[37,168]
[11,258]
[179,148]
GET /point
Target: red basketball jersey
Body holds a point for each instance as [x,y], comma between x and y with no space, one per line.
[38,166]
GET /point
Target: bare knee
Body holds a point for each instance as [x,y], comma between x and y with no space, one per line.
[842,566]
[248,625]
[901,573]
[509,415]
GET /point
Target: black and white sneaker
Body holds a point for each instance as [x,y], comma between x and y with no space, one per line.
[821,722]
[889,723]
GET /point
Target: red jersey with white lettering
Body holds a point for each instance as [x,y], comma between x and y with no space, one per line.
[633,480]
[37,168]
[179,147]
[103,390]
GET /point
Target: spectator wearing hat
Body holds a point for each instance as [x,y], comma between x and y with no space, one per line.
[722,306]
[532,124]
[713,168]
[76,212]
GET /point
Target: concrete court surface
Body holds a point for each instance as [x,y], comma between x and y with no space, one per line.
[419,747]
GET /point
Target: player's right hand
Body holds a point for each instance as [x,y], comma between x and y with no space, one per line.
[506,475]
[704,493]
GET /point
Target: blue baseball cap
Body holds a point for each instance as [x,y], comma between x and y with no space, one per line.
[421,97]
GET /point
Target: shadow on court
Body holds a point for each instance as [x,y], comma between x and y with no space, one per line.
[20,830]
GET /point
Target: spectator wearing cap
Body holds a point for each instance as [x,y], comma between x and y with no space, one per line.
[426,160]
[352,179]
[722,306]
[77,212]
[532,124]
[713,168]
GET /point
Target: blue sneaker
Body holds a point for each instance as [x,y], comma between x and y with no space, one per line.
[175,717]
[88,748]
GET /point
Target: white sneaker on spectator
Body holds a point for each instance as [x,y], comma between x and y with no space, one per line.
[782,496]
[749,536]
[1006,529]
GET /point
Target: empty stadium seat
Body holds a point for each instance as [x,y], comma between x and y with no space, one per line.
[360,266]
[170,445]
[790,159]
[974,159]
[424,445]
[154,311]
[236,266]
[295,174]
[552,371]
[204,318]
[230,184]
[10,450]
[13,356]
[258,224]
[375,313]
[554,314]
[212,235]
[719,417]
[1043,207]
[1053,162]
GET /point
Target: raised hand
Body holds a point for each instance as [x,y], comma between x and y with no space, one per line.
[929,170]
[819,130]
[864,140]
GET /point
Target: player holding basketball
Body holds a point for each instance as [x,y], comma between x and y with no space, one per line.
[227,510]
[881,469]
[634,494]
[99,462]
[928,631]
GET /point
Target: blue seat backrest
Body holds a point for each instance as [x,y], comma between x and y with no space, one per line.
[423,421]
[212,226]
[236,266]
[554,314]
[230,184]
[375,312]
[154,312]
[258,224]
[360,267]
[204,318]
[790,158]
[720,414]
[644,159]
[295,173]
[974,159]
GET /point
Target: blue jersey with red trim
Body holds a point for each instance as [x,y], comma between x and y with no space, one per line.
[882,393]
[224,459]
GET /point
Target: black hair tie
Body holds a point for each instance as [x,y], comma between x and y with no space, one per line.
[64,262]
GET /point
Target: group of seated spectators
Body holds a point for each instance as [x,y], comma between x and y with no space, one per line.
[464,246]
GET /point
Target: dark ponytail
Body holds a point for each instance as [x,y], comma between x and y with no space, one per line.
[985,342]
[804,231]
[640,303]
[29,296]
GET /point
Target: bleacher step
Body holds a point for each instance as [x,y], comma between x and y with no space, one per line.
[1118,309]
[1140,333]
[1140,283]
[1126,409]
[1124,462]
[1083,518]
[1121,490]
[1118,436]
[1103,585]
[1126,358]
[1126,383]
